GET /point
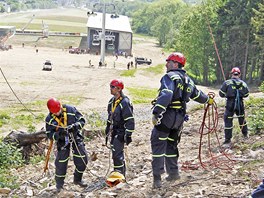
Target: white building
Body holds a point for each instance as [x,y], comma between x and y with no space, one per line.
[118,33]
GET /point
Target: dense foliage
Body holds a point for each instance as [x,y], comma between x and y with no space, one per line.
[256,113]
[10,157]
[28,4]
[236,26]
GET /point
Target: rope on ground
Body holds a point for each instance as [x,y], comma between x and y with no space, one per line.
[221,160]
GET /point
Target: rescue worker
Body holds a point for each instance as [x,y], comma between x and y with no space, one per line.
[234,90]
[259,192]
[169,113]
[120,124]
[63,125]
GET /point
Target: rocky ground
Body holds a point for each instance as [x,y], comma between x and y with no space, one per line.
[233,173]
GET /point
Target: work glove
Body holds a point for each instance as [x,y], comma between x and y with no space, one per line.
[71,128]
[155,119]
[127,139]
[211,96]
[210,101]
[60,134]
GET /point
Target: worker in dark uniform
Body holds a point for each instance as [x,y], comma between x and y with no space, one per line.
[169,112]
[120,124]
[259,192]
[234,90]
[63,125]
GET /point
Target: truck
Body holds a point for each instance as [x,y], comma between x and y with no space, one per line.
[141,60]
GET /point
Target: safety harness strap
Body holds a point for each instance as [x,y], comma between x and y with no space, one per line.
[59,121]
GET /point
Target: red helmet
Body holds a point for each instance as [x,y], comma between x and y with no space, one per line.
[235,71]
[117,83]
[54,105]
[177,57]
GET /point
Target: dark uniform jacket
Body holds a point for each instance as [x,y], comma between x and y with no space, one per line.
[175,91]
[122,120]
[58,134]
[231,89]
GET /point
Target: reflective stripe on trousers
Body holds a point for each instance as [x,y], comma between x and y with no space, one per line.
[228,119]
[118,155]
[164,150]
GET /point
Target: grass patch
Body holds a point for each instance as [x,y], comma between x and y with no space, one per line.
[128,73]
[142,95]
[59,42]
[257,145]
[95,120]
[156,69]
[75,19]
[71,100]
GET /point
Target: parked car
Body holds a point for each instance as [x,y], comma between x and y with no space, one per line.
[141,60]
[47,65]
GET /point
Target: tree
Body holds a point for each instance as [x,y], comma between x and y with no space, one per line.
[161,29]
[258,24]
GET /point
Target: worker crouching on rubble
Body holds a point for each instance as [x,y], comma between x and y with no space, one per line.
[169,113]
[120,124]
[63,125]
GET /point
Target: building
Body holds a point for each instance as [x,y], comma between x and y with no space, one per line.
[118,34]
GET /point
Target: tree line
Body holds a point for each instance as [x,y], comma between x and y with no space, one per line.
[211,34]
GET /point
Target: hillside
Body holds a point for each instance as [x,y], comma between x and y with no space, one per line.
[87,88]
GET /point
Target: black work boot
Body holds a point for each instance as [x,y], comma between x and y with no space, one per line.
[227,141]
[173,177]
[59,184]
[59,189]
[245,135]
[156,181]
[78,180]
[80,183]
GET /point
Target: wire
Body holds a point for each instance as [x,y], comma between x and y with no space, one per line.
[16,95]
[215,46]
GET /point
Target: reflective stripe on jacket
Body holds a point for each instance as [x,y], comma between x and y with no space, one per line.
[122,118]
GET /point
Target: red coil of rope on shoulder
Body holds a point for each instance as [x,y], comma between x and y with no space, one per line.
[211,154]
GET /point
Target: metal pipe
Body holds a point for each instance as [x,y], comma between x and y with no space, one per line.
[102,59]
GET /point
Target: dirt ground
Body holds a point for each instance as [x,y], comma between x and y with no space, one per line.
[71,76]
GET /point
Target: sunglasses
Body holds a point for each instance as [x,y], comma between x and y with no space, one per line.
[112,87]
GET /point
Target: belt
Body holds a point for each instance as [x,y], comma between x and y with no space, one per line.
[176,105]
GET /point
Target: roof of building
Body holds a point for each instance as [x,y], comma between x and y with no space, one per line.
[112,22]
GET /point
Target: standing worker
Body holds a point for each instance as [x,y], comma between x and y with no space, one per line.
[120,124]
[169,113]
[234,90]
[63,125]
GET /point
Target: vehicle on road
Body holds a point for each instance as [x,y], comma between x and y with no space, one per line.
[141,60]
[47,65]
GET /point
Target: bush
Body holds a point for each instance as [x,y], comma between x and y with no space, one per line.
[10,156]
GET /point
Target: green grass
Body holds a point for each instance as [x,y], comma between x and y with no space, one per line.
[52,41]
[75,19]
[128,73]
[17,117]
[71,100]
[142,95]
[155,70]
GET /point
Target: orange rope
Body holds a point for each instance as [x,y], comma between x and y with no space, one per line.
[210,122]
